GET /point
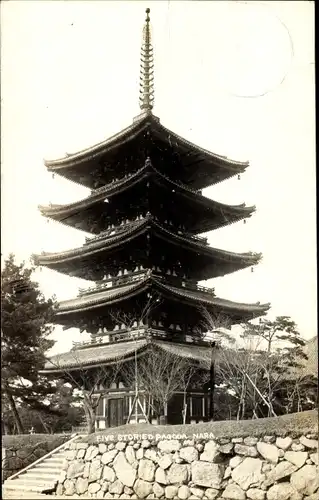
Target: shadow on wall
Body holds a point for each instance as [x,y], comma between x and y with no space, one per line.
[19,451]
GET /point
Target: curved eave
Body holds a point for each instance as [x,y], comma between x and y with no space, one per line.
[93,356]
[255,309]
[138,229]
[92,152]
[130,133]
[99,299]
[115,188]
[235,212]
[194,298]
[119,352]
[237,166]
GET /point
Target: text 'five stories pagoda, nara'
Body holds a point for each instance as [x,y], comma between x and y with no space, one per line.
[145,212]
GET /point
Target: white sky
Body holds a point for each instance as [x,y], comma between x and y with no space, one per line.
[69,79]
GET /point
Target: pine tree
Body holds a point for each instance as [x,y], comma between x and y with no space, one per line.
[25,328]
[280,362]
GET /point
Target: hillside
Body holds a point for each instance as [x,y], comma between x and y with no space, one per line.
[311,349]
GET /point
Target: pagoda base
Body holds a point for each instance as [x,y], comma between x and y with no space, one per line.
[120,409]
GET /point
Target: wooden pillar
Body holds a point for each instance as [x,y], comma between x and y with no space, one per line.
[212,384]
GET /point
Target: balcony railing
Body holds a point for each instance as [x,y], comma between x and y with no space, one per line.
[112,231]
[115,181]
[117,281]
[112,337]
[123,226]
[113,282]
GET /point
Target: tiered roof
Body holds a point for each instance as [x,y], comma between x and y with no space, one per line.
[145,211]
[194,166]
[213,214]
[93,356]
[216,262]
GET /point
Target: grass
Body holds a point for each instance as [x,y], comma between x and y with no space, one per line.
[20,440]
[294,425]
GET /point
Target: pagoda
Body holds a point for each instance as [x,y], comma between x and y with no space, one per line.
[145,213]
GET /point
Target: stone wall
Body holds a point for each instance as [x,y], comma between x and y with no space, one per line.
[20,451]
[256,468]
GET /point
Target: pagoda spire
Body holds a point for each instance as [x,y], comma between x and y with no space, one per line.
[146,68]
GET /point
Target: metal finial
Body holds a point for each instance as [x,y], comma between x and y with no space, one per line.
[147,71]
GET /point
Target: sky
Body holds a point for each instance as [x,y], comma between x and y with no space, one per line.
[236,78]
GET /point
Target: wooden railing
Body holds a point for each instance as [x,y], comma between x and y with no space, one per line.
[112,337]
[139,275]
[112,231]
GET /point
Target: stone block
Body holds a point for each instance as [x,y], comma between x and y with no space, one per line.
[177,474]
[248,473]
[211,452]
[81,485]
[226,449]
[297,458]
[117,487]
[120,446]
[183,492]
[75,468]
[189,454]
[130,454]
[306,479]
[108,474]
[211,493]
[197,492]
[309,443]
[284,443]
[165,461]
[246,451]
[281,471]
[256,494]
[169,446]
[146,470]
[93,488]
[281,491]
[102,448]
[234,492]
[108,457]
[69,487]
[124,471]
[158,490]
[268,451]
[171,492]
[207,474]
[250,441]
[142,488]
[160,476]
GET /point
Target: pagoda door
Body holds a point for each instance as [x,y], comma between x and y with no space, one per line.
[115,412]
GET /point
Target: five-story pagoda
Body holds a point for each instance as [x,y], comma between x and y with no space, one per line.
[145,212]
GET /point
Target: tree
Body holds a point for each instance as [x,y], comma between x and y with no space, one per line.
[218,335]
[261,370]
[89,383]
[159,374]
[64,412]
[26,323]
[280,360]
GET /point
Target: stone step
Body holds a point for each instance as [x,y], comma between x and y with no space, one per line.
[38,476]
[23,486]
[50,465]
[48,471]
[33,486]
[40,473]
[53,461]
